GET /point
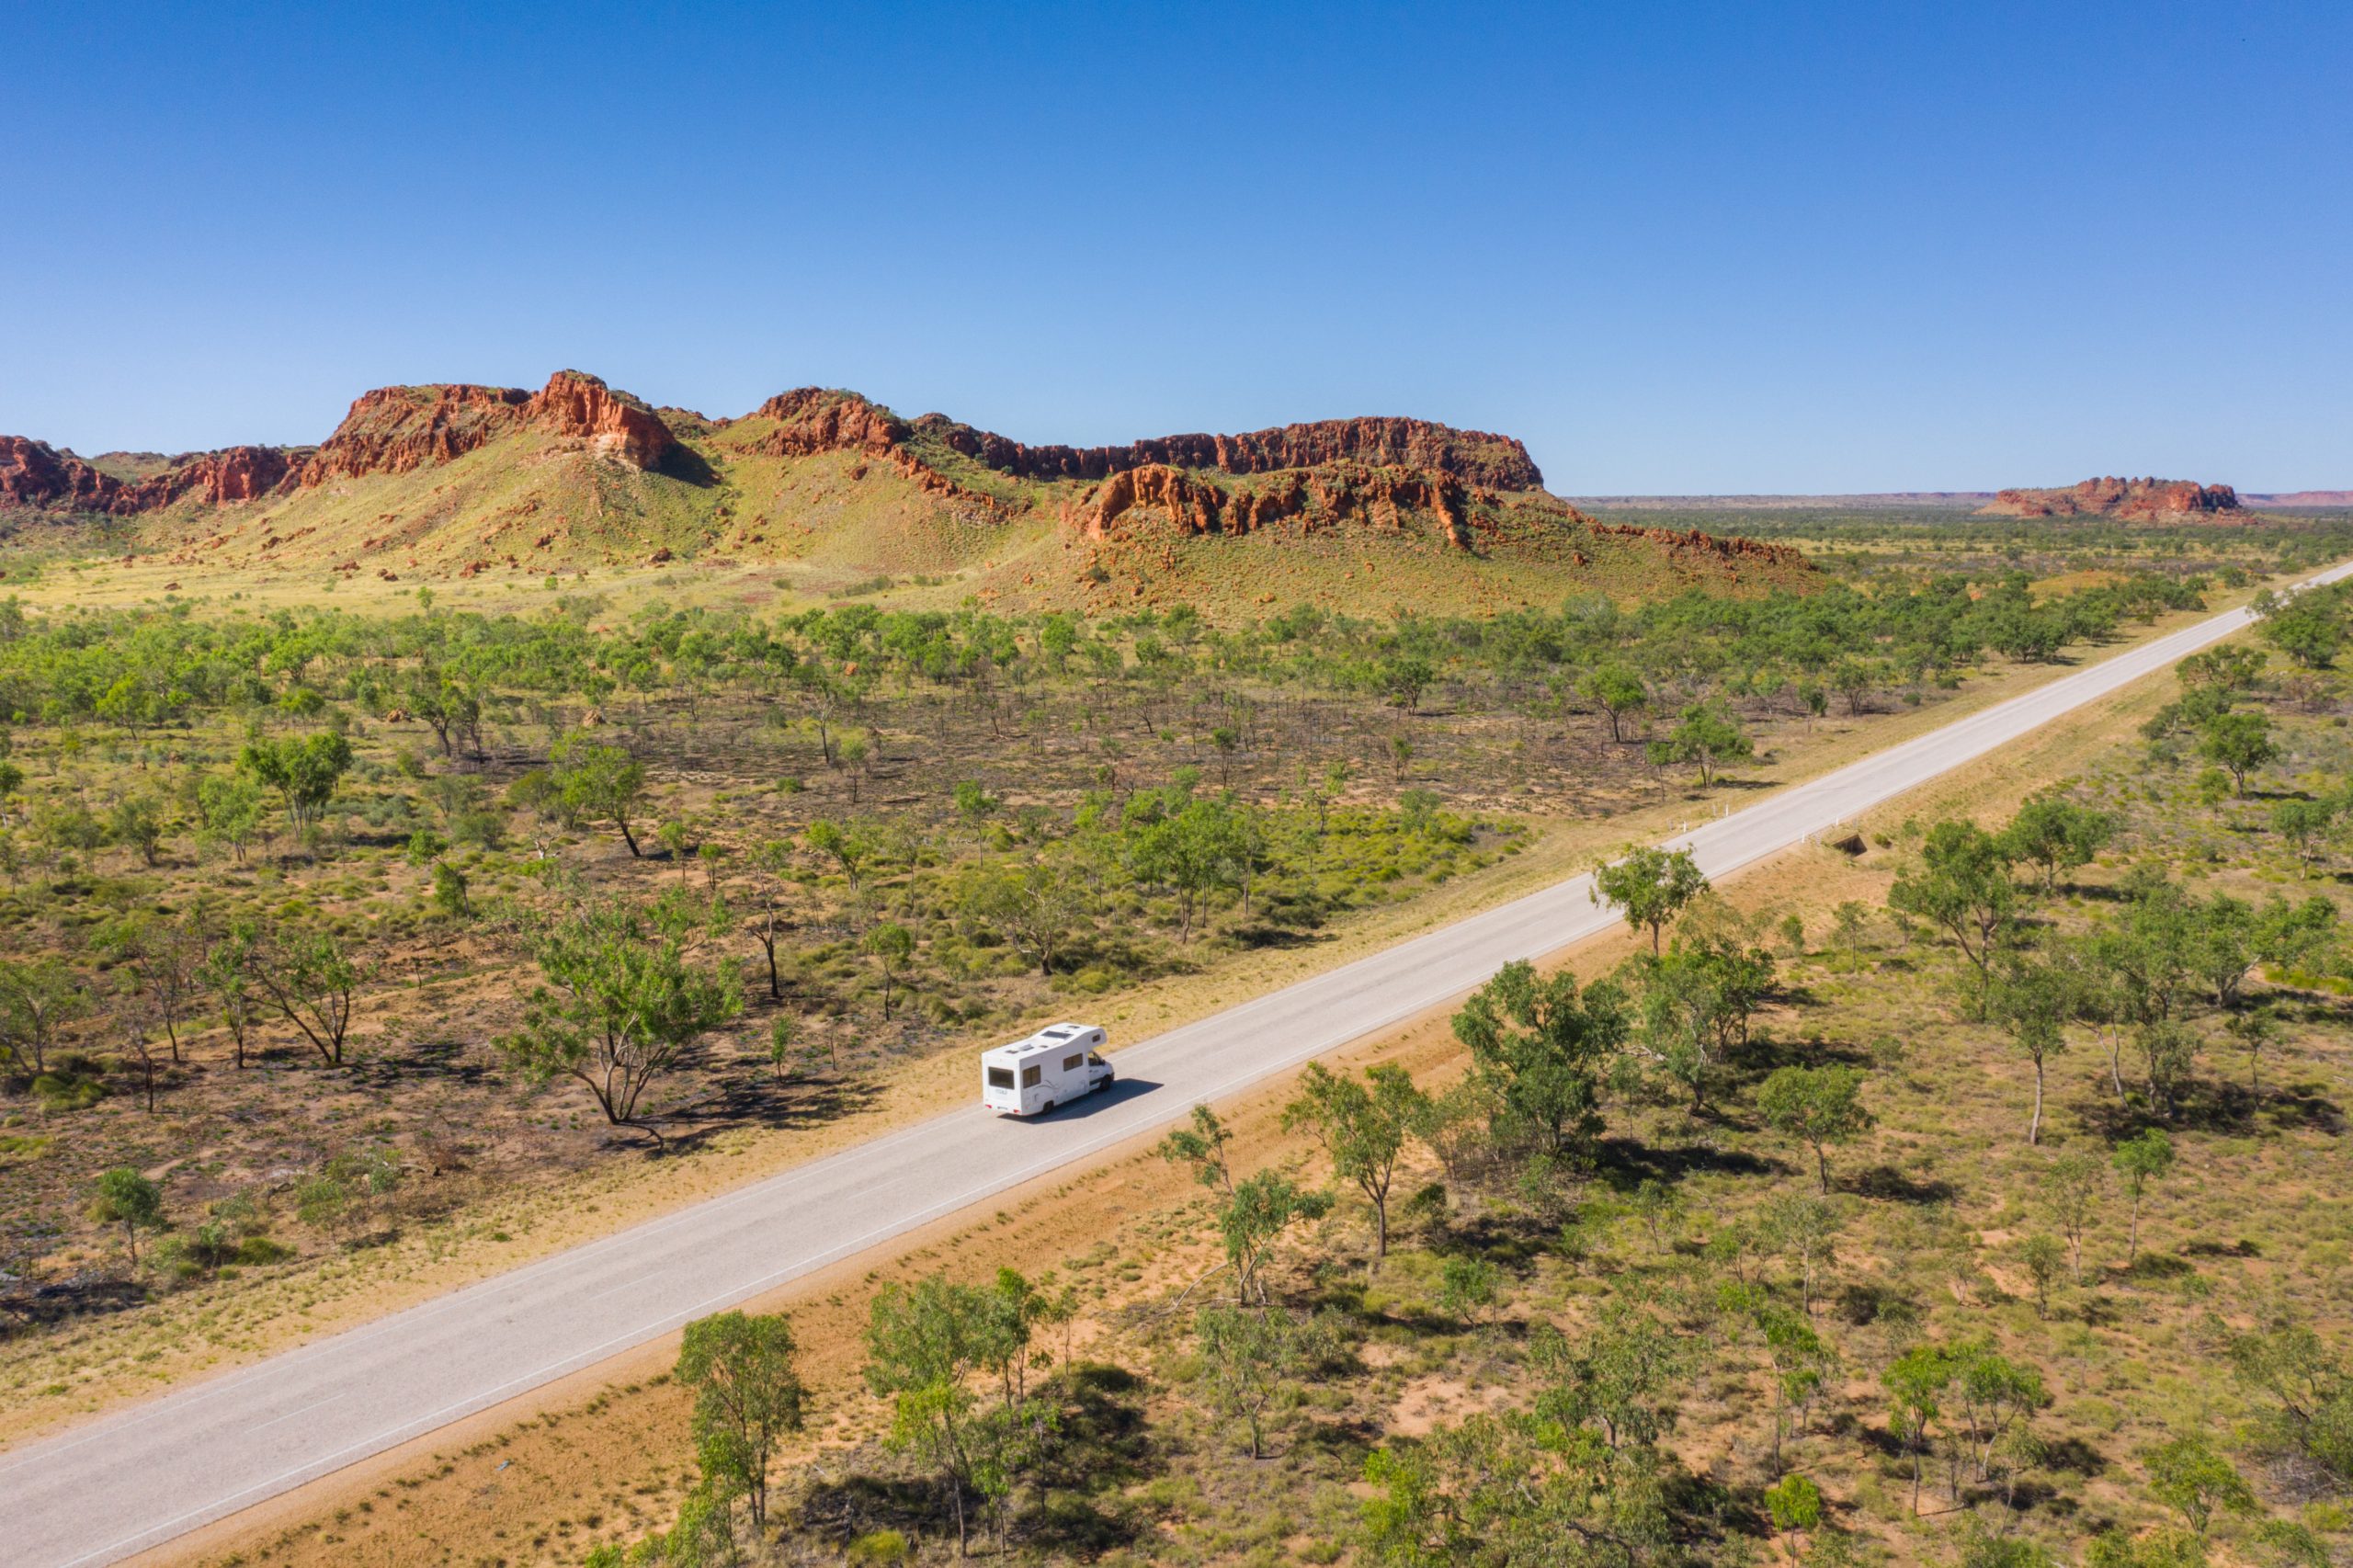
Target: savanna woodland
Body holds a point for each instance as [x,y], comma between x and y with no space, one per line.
[1971,1191]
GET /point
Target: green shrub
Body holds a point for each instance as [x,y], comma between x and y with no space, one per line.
[880,1547]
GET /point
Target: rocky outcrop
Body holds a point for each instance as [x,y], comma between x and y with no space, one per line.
[811,420]
[234,474]
[35,475]
[2132,500]
[819,419]
[397,429]
[1328,496]
[1472,457]
[614,425]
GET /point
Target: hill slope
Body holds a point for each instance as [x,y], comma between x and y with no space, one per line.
[436,481]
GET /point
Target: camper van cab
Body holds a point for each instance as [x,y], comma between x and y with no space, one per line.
[1052,1067]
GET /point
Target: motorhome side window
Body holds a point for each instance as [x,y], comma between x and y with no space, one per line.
[1000,1077]
[1073,1063]
[1029,1076]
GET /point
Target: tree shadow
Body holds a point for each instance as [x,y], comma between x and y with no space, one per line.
[1885,1181]
[2043,1497]
[2303,1106]
[1505,1239]
[2202,1249]
[444,1061]
[1628,1161]
[2073,1456]
[1106,1448]
[747,1099]
[47,1305]
[1825,1053]
[1348,1439]
[2153,1267]
[1862,1303]
[1261,935]
[2097,1310]
[2112,1120]
[840,1509]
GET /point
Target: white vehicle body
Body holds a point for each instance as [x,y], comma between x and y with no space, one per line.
[1052,1067]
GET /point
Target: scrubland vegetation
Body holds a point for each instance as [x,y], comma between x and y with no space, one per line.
[1925,1227]
[1989,1217]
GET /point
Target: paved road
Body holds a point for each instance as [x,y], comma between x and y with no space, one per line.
[144,1475]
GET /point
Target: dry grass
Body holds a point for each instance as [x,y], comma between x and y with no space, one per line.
[546,1194]
[611,1443]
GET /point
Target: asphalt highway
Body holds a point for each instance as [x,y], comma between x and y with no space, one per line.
[143,1475]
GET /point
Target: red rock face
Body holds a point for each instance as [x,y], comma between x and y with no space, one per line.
[613,424]
[818,419]
[238,473]
[2134,500]
[815,419]
[1473,457]
[35,474]
[395,429]
[1328,496]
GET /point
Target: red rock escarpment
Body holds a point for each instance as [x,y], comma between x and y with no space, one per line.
[613,424]
[37,475]
[395,429]
[817,419]
[811,420]
[2139,500]
[1473,457]
[1330,493]
[236,473]
[34,475]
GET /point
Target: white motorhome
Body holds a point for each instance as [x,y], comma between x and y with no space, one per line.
[1052,1067]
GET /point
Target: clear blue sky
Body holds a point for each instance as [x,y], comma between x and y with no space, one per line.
[1674,247]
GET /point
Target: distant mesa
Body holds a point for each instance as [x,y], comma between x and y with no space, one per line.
[460,480]
[2128,500]
[2327,498]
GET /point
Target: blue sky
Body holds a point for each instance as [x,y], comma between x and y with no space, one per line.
[1676,247]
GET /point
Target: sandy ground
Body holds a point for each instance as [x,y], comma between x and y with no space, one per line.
[604,1453]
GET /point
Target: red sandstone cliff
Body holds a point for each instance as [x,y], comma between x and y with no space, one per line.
[2132,500]
[816,419]
[36,475]
[236,473]
[613,424]
[1473,457]
[1327,495]
[395,429]
[1330,469]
